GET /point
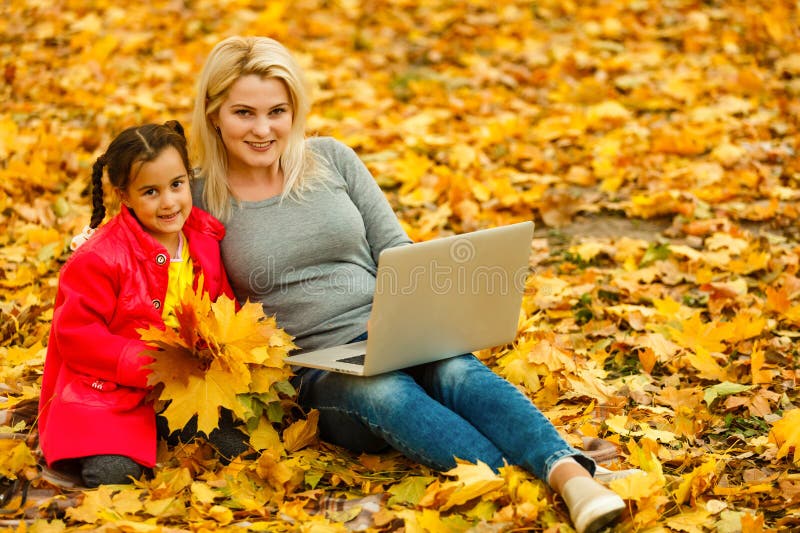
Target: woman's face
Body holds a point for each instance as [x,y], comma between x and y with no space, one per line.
[254,122]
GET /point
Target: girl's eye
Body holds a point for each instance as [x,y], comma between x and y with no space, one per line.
[149,192]
[177,184]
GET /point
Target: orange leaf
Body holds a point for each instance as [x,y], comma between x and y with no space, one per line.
[752,524]
[786,434]
[647,358]
[778,299]
[756,365]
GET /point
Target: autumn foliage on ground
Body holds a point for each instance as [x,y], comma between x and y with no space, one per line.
[678,345]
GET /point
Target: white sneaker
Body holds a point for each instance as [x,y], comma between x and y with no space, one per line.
[591,506]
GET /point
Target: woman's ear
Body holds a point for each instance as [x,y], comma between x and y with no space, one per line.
[213,118]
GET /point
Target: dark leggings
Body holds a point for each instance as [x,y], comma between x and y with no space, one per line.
[226,439]
[109,470]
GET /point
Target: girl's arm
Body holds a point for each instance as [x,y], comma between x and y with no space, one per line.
[87,301]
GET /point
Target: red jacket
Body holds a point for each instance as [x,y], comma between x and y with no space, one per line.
[94,386]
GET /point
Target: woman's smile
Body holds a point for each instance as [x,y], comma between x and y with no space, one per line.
[260,146]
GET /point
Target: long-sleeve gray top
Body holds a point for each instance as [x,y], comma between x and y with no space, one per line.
[312,262]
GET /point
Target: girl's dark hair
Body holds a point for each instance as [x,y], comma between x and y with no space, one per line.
[130,148]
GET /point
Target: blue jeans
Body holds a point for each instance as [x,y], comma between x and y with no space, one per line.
[435,412]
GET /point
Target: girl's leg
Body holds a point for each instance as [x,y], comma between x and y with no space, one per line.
[109,470]
[227,439]
[393,407]
[500,412]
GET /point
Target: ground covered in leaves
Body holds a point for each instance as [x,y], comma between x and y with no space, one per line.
[677,344]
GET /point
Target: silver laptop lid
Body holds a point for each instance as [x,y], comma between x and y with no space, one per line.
[448,296]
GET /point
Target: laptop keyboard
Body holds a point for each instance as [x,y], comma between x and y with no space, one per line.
[355,360]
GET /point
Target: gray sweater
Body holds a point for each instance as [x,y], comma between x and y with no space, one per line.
[312,262]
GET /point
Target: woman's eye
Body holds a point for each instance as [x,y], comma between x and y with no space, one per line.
[242,112]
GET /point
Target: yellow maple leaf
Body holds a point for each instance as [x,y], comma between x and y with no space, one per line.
[472,481]
[691,522]
[210,357]
[220,514]
[276,472]
[16,458]
[431,522]
[696,482]
[128,501]
[264,436]
[638,486]
[647,490]
[203,493]
[693,333]
[521,372]
[746,325]
[706,366]
[410,169]
[786,434]
[662,348]
[242,334]
[93,504]
[301,433]
[167,482]
[203,396]
[553,357]
[424,521]
[667,307]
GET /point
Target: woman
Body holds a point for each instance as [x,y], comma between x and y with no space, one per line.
[305,223]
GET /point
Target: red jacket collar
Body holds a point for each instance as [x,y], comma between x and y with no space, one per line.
[146,246]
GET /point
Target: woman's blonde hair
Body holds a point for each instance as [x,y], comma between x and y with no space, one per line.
[229,60]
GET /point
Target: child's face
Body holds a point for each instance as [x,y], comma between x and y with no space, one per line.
[160,197]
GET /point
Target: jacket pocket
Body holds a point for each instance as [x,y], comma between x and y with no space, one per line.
[96,393]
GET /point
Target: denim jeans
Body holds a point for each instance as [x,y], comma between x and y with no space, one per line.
[435,412]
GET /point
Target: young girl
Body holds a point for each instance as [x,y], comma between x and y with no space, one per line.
[126,276]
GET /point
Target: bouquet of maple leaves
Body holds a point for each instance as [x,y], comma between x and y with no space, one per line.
[220,357]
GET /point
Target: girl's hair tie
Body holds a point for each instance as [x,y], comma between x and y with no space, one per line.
[81,238]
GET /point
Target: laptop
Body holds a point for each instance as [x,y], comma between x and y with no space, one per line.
[438,299]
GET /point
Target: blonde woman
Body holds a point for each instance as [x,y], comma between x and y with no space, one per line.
[305,223]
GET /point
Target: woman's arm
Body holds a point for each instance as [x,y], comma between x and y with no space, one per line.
[382,226]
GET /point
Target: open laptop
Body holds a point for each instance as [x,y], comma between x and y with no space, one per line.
[438,299]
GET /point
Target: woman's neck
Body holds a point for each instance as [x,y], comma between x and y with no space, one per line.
[252,185]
